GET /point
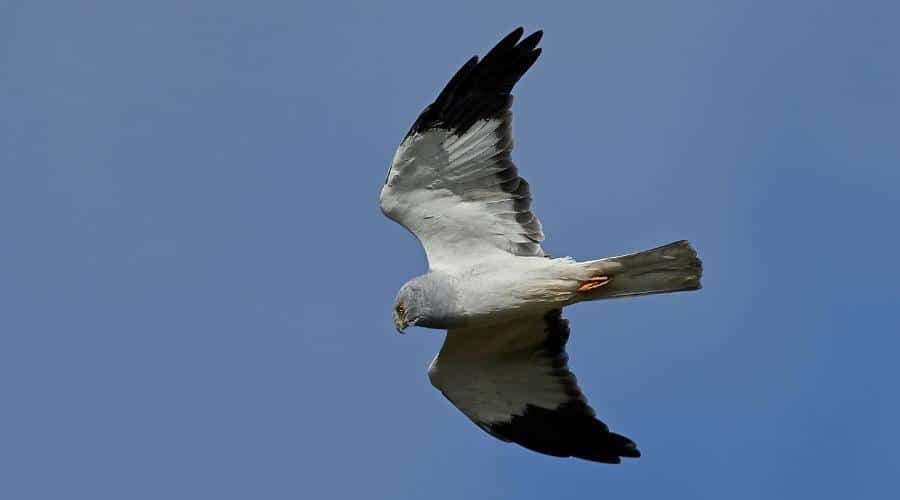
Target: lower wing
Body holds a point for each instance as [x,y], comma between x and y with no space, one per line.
[514,382]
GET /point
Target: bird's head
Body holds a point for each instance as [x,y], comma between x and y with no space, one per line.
[409,304]
[425,301]
[400,321]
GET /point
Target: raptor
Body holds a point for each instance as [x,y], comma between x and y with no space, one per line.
[452,183]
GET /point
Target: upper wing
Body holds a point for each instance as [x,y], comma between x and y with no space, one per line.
[452,182]
[513,381]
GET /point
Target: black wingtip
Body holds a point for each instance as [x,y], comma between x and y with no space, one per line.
[531,41]
[481,88]
[625,446]
[571,430]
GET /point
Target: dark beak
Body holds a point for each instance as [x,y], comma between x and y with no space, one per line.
[400,324]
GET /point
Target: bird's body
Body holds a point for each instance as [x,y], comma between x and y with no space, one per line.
[499,288]
[452,184]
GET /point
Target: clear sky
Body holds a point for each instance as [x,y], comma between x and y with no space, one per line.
[196,282]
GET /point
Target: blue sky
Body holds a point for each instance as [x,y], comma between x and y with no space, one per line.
[196,281]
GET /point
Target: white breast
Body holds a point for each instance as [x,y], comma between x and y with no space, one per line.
[508,286]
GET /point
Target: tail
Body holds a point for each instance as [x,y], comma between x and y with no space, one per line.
[670,268]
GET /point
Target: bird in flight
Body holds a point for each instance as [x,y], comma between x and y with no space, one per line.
[452,183]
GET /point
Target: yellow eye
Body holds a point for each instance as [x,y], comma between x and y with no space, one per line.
[401,311]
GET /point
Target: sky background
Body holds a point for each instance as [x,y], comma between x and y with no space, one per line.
[196,281]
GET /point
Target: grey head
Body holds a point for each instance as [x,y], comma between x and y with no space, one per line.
[425,301]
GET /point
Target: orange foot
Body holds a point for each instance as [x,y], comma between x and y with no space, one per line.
[593,284]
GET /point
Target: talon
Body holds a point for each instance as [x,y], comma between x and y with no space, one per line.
[593,284]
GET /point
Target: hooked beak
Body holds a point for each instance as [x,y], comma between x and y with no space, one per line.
[400,324]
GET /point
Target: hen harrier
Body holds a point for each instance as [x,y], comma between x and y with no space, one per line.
[453,184]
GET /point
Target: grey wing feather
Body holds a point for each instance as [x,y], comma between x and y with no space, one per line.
[452,182]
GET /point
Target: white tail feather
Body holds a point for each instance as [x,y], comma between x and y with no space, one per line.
[670,268]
